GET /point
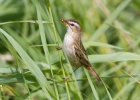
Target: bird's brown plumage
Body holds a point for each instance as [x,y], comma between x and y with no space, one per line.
[81,54]
[74,48]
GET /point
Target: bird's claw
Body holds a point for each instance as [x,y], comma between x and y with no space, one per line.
[58,47]
[65,78]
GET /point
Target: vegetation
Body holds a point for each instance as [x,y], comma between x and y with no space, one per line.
[31,68]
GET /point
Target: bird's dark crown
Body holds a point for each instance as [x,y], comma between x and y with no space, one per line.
[72,20]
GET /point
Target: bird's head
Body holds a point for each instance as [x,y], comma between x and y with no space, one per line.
[72,25]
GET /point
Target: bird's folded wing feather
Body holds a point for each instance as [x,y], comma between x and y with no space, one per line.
[81,54]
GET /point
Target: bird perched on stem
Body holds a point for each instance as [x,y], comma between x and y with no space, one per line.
[74,49]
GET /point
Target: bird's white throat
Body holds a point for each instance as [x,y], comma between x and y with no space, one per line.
[69,31]
[68,42]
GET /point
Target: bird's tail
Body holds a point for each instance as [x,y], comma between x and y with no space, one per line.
[92,71]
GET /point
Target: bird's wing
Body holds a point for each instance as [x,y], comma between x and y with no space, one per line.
[81,54]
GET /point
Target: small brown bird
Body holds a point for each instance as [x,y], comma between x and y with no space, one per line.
[74,49]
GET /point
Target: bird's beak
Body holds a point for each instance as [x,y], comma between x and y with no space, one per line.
[65,22]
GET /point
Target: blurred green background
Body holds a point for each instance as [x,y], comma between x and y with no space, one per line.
[32,69]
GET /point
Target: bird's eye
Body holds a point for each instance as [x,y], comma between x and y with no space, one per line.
[72,24]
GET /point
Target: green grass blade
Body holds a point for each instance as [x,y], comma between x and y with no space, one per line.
[95,93]
[110,20]
[109,95]
[87,44]
[32,66]
[114,57]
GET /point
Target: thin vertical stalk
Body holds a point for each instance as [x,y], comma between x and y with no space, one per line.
[60,57]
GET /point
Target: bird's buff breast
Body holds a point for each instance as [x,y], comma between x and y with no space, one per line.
[68,48]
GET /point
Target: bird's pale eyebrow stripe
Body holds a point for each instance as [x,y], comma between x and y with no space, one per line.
[72,20]
[76,24]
